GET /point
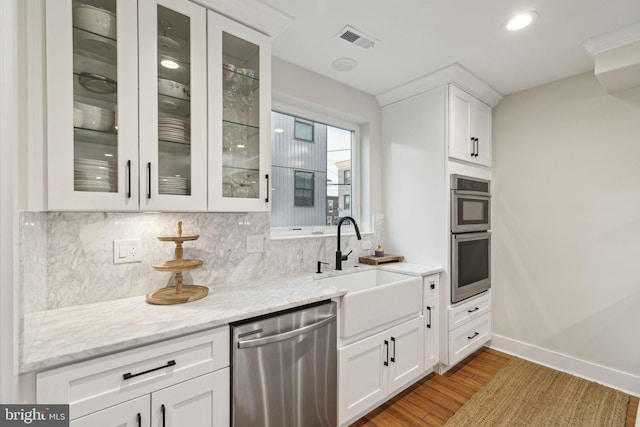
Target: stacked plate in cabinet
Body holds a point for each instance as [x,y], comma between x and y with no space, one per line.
[94,175]
[174,185]
[174,130]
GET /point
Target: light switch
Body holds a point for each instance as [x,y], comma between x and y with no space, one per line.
[127,250]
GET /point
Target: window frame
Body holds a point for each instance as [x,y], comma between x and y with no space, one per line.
[356,185]
[304,189]
[300,120]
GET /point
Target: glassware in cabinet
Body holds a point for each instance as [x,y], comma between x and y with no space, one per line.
[173,104]
[91,79]
[239,96]
[95,97]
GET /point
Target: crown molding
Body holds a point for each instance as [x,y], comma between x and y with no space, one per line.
[252,13]
[612,40]
[455,74]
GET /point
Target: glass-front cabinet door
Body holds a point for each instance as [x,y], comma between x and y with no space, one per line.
[92,104]
[173,105]
[239,116]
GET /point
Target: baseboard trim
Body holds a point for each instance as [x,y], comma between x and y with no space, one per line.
[622,381]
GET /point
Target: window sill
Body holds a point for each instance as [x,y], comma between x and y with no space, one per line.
[276,236]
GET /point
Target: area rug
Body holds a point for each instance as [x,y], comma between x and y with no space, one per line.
[526,394]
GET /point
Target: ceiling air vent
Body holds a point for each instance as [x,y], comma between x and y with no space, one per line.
[356,37]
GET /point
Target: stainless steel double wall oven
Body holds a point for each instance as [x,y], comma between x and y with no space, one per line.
[470,236]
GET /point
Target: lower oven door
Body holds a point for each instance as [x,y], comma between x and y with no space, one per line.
[470,264]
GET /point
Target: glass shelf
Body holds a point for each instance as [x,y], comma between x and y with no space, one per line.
[89,86]
[245,131]
[242,82]
[175,106]
[95,46]
[92,136]
[172,147]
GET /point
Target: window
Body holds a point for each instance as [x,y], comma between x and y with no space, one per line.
[303,188]
[308,180]
[303,130]
[347,202]
[347,177]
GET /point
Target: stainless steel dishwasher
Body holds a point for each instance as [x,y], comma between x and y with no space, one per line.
[284,369]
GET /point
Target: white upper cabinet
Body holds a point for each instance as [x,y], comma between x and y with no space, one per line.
[141,116]
[469,128]
[173,105]
[239,116]
[92,104]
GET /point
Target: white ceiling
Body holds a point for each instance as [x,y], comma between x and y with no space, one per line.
[418,37]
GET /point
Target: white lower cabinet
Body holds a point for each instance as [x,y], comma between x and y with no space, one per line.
[179,382]
[371,369]
[431,333]
[133,413]
[200,402]
[469,327]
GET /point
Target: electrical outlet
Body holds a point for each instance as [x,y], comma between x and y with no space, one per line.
[255,244]
[127,250]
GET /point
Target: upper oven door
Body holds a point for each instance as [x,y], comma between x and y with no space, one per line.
[470,211]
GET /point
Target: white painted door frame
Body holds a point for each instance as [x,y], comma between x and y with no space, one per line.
[8,213]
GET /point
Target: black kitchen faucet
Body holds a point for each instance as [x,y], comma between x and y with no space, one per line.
[339,256]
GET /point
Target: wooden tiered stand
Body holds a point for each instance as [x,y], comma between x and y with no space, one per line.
[178,293]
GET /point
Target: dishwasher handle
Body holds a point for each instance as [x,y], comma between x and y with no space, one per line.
[286,335]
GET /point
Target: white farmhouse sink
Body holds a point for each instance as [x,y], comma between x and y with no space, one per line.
[375,298]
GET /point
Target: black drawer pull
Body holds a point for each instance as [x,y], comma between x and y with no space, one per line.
[266,199]
[164,415]
[130,375]
[473,336]
[139,418]
[386,344]
[393,358]
[429,322]
[475,309]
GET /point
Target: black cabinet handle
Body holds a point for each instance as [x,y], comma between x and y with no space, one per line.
[475,309]
[473,336]
[128,179]
[267,198]
[162,409]
[130,375]
[429,322]
[386,362]
[139,418]
[393,358]
[149,180]
[432,286]
[477,147]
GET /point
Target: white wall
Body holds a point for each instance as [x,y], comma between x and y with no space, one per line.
[566,226]
[293,85]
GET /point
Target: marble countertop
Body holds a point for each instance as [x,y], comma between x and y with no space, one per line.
[72,334]
[412,269]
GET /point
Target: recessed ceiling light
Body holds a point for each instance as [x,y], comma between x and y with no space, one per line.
[520,21]
[344,64]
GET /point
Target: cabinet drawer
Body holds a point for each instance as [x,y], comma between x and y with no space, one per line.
[469,310]
[468,338]
[431,286]
[98,383]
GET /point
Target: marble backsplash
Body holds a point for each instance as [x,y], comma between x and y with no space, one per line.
[67,257]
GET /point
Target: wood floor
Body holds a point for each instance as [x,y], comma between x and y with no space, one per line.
[434,399]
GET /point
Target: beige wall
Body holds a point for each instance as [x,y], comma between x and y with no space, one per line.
[566,221]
